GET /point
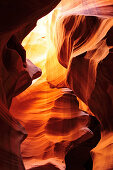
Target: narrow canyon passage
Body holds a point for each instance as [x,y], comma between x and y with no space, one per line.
[56,85]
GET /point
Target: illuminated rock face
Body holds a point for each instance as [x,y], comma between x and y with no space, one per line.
[96,88]
[84,130]
[57,127]
[15,77]
[17,19]
[88,41]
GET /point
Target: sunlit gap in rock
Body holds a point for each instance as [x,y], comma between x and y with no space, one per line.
[63,109]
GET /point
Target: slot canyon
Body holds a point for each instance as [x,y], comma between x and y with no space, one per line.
[56,85]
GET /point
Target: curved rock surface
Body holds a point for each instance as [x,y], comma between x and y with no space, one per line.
[17,19]
[60,134]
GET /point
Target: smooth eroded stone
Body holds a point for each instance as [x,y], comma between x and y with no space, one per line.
[17,19]
[12,135]
[78,157]
[77,32]
[75,132]
[90,78]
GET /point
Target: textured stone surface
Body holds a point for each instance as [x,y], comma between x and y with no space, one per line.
[17,19]
[88,41]
[57,127]
[92,80]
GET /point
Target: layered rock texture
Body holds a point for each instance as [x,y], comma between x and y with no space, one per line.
[65,112]
[17,19]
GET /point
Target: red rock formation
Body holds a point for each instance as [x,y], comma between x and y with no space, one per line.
[63,130]
[86,51]
[56,126]
[17,19]
[96,88]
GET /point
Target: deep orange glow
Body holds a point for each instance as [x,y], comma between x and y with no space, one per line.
[34,107]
